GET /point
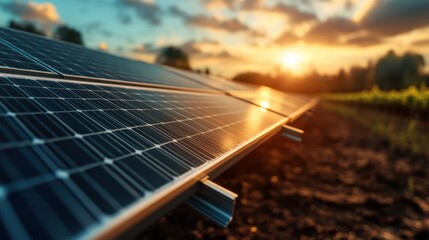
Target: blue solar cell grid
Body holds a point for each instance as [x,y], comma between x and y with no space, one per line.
[73,60]
[75,155]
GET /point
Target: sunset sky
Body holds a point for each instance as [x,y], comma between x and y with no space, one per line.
[236,36]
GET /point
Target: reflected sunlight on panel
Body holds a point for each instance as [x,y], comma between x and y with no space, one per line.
[265,105]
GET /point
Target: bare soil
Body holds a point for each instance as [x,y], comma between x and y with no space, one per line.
[341,182]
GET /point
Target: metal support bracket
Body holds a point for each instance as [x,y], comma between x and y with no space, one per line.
[292,133]
[214,202]
[309,114]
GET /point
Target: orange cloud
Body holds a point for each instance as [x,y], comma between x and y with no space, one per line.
[41,12]
[218,4]
[366,7]
[103,46]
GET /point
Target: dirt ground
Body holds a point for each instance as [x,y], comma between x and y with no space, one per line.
[340,183]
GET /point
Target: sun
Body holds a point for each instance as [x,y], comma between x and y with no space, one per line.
[292,60]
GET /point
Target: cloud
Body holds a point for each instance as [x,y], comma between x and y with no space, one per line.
[341,31]
[293,13]
[252,4]
[45,12]
[202,21]
[224,55]
[103,46]
[330,31]
[421,42]
[175,11]
[146,48]
[191,47]
[287,38]
[364,41]
[229,25]
[146,10]
[97,27]
[124,18]
[349,5]
[219,4]
[394,17]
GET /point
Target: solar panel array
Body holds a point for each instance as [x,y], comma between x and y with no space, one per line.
[72,60]
[83,152]
[77,152]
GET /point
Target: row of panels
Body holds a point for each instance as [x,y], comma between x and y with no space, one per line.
[35,53]
[29,52]
[75,155]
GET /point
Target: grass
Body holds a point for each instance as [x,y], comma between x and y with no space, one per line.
[403,132]
[412,100]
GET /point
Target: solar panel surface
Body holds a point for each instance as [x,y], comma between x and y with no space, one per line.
[283,103]
[286,104]
[216,82]
[12,59]
[76,155]
[78,62]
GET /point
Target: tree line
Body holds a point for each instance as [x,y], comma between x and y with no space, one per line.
[390,72]
[63,32]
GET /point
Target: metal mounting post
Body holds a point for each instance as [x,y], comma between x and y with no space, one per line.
[292,133]
[214,202]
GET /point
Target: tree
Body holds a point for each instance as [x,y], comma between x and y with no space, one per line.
[174,57]
[25,26]
[359,78]
[207,71]
[413,65]
[398,72]
[253,77]
[68,34]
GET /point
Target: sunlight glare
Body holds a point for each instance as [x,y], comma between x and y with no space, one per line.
[264,105]
[292,60]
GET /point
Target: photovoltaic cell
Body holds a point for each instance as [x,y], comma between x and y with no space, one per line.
[73,60]
[75,155]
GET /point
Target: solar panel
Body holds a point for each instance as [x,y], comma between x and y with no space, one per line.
[74,61]
[268,98]
[286,104]
[11,59]
[216,82]
[74,156]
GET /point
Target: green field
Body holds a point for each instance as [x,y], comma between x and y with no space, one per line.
[400,116]
[412,99]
